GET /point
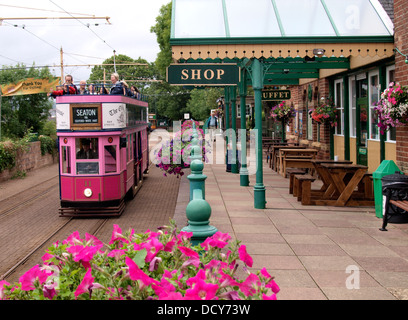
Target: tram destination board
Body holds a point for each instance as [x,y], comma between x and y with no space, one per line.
[88,115]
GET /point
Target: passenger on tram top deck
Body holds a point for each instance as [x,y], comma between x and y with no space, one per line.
[82,87]
[67,88]
[134,92]
[117,87]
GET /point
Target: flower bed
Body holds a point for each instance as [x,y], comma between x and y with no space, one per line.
[159,265]
[392,109]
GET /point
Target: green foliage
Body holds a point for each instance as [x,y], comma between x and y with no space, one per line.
[47,145]
[202,101]
[162,29]
[9,149]
[126,72]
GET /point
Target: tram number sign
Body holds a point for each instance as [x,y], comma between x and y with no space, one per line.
[226,74]
[85,115]
[273,95]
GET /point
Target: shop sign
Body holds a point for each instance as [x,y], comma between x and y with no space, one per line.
[275,95]
[225,74]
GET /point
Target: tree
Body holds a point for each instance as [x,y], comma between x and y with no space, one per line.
[126,72]
[202,101]
[162,29]
[20,113]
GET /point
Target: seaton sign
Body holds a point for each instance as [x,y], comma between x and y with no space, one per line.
[271,95]
[225,74]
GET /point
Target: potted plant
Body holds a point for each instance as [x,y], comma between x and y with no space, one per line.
[392,109]
[325,113]
[283,112]
[173,156]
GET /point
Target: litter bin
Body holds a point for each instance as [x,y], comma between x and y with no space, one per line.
[394,187]
[386,167]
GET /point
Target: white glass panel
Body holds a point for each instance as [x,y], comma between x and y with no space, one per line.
[245,21]
[304,18]
[356,18]
[199,19]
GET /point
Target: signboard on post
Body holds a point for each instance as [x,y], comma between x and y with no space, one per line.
[275,95]
[225,74]
[29,86]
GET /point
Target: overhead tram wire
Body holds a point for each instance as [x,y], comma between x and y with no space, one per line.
[27,8]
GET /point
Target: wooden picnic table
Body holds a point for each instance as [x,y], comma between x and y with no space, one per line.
[322,173]
[296,158]
[342,181]
[274,155]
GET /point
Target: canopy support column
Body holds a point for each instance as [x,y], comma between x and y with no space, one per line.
[244,178]
[257,74]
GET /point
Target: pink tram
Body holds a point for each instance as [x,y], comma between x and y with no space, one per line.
[103,152]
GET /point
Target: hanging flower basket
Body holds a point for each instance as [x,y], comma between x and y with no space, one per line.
[173,156]
[283,112]
[392,109]
[325,113]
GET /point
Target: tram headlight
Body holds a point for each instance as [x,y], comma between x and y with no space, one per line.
[88,192]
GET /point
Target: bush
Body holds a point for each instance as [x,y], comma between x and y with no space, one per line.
[159,265]
[47,145]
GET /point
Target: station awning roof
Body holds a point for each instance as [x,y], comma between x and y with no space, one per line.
[230,29]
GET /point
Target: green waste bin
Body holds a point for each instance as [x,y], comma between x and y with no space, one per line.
[386,167]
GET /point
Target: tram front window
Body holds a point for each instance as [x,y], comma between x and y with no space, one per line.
[86,148]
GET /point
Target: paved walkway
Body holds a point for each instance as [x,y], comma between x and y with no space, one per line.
[308,248]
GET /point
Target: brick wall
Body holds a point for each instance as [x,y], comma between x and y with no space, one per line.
[299,96]
[29,160]
[401,73]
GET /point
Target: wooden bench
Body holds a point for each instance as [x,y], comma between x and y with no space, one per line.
[302,188]
[300,162]
[292,172]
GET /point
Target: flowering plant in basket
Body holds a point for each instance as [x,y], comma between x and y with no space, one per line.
[392,109]
[160,265]
[325,112]
[283,112]
[173,156]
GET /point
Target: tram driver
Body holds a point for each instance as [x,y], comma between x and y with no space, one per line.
[86,152]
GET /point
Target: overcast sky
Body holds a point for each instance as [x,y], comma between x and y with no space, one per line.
[39,41]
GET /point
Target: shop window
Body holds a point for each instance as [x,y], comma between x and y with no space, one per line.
[374,96]
[338,101]
[110,159]
[248,111]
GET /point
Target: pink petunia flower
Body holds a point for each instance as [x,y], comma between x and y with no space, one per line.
[83,254]
[189,252]
[201,291]
[244,256]
[73,239]
[271,297]
[136,273]
[28,279]
[250,285]
[86,284]
[2,284]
